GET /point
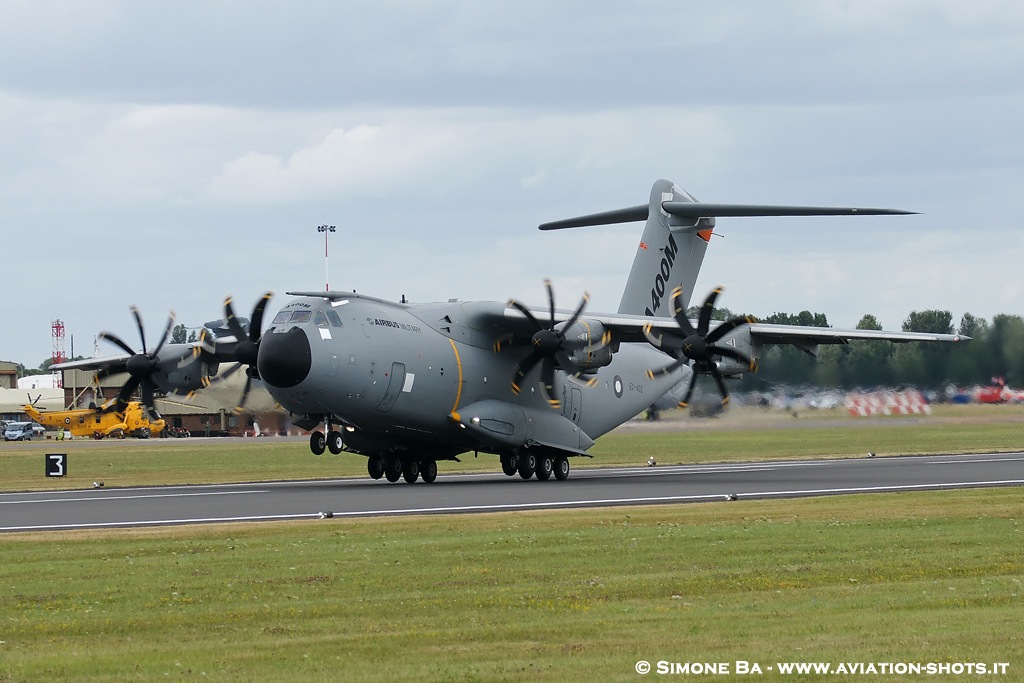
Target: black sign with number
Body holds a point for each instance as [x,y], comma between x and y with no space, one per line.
[56,464]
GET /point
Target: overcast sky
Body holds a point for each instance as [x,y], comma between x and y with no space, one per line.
[166,154]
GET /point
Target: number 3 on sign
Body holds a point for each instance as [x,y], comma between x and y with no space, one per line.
[56,464]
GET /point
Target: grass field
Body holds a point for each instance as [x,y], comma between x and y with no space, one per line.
[576,595]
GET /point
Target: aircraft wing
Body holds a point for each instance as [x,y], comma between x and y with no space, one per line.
[98,363]
[630,328]
[801,335]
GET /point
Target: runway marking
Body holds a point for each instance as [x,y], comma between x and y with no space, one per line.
[160,522]
[960,462]
[103,499]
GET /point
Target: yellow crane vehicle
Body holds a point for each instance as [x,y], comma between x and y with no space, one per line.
[97,423]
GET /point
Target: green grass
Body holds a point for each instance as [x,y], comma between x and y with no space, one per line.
[551,596]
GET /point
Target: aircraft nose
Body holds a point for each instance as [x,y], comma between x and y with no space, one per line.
[284,358]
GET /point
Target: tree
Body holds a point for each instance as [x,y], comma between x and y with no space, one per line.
[869,322]
[178,334]
[936,322]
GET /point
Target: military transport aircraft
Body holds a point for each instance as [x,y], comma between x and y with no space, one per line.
[409,384]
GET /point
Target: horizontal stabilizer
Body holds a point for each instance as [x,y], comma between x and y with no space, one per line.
[705,210]
[630,215]
[696,210]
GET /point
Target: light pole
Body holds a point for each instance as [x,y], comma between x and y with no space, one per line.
[326,230]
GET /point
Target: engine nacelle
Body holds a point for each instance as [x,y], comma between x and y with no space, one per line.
[599,349]
[738,339]
[179,375]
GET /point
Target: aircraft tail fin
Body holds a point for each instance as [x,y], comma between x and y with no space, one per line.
[676,237]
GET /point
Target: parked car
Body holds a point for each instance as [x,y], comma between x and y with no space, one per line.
[18,431]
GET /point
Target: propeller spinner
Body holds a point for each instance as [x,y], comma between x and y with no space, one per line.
[698,344]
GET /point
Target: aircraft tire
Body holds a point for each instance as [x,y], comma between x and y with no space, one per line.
[393,469]
[561,468]
[509,463]
[411,471]
[375,466]
[317,443]
[334,442]
[428,470]
[527,465]
[544,467]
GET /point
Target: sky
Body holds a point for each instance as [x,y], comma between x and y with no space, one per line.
[168,154]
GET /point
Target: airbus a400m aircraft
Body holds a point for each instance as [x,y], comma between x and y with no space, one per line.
[410,384]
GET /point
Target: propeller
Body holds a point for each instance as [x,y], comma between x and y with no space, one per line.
[141,367]
[245,350]
[551,349]
[697,344]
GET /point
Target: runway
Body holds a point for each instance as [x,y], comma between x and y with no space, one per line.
[476,493]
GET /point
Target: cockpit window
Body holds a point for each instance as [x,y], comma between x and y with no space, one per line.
[320,319]
[300,316]
[334,318]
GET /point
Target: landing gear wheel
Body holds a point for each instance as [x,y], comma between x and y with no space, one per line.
[561,468]
[428,470]
[393,469]
[375,466]
[411,471]
[509,463]
[334,442]
[527,465]
[544,467]
[317,443]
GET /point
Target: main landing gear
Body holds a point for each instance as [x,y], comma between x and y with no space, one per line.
[528,463]
[393,469]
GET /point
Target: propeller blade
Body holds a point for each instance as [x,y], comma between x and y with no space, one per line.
[547,372]
[576,314]
[240,408]
[721,385]
[148,401]
[704,321]
[138,323]
[679,313]
[689,391]
[551,299]
[117,341]
[166,334]
[668,369]
[229,316]
[525,311]
[523,368]
[256,324]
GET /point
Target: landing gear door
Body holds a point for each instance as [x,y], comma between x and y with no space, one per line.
[395,384]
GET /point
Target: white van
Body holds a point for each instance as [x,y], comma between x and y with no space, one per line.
[18,431]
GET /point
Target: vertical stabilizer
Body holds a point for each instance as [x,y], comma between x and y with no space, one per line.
[676,237]
[669,255]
